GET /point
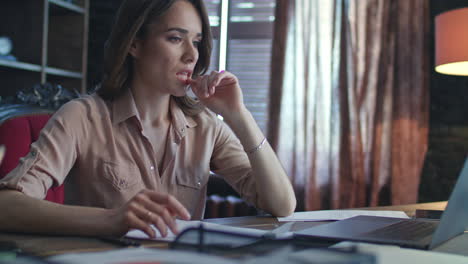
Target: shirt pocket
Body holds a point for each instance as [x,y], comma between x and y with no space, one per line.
[122,176]
[192,180]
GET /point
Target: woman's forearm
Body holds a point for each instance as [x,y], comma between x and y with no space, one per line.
[21,213]
[274,189]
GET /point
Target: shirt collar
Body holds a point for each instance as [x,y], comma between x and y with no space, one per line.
[124,107]
[179,120]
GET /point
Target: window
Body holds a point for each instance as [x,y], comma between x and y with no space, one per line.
[249,31]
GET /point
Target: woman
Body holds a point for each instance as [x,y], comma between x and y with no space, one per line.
[139,151]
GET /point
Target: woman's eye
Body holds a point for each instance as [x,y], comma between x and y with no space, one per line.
[196,43]
[175,39]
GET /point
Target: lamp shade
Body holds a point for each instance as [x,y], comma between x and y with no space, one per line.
[451,42]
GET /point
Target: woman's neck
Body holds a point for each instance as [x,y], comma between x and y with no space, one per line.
[153,106]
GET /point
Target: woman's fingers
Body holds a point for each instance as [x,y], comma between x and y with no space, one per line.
[143,215]
[137,222]
[205,86]
[171,203]
[158,222]
[211,85]
[197,86]
[160,214]
[219,91]
[151,208]
[223,78]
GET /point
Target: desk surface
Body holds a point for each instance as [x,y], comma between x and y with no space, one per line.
[44,245]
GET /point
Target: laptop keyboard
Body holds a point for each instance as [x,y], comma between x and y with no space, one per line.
[404,230]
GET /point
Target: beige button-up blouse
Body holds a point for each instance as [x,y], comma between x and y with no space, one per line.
[105,152]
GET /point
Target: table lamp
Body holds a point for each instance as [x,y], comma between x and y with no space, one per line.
[451,42]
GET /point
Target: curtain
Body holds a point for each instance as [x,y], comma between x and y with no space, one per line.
[349,100]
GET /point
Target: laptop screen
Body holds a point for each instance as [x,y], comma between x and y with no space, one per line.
[455,217]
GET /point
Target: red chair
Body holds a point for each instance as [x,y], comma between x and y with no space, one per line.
[19,127]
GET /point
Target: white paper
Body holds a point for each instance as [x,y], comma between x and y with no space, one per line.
[139,255]
[182,225]
[387,254]
[326,215]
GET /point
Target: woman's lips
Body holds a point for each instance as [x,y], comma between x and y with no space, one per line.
[184,77]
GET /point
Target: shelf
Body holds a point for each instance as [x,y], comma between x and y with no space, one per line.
[68,6]
[20,65]
[37,68]
[64,73]
[49,43]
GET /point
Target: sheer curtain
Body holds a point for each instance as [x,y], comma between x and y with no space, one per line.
[349,100]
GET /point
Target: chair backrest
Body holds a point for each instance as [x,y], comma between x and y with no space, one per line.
[22,117]
[17,133]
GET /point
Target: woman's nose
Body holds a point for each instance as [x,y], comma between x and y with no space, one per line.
[190,54]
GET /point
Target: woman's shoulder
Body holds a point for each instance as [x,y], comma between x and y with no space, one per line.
[206,118]
[86,105]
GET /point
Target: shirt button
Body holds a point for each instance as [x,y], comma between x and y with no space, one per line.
[198,183]
[182,130]
[33,153]
[152,168]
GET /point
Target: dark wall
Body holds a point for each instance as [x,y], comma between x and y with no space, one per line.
[101,18]
[448,131]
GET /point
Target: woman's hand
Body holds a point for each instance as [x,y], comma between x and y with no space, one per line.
[2,153]
[219,91]
[150,208]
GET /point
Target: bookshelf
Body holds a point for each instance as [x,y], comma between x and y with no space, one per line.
[50,39]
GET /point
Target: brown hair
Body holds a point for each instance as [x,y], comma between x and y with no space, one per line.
[133,19]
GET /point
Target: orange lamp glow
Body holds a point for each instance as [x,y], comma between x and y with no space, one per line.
[451,42]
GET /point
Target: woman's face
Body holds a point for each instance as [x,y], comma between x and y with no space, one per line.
[167,55]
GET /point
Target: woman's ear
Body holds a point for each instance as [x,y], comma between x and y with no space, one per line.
[134,47]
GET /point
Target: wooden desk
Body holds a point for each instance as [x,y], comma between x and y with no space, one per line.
[410,209]
[42,245]
[48,245]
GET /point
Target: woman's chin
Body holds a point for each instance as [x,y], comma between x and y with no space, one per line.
[180,89]
[180,92]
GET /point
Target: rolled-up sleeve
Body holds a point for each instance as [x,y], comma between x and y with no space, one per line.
[50,158]
[231,162]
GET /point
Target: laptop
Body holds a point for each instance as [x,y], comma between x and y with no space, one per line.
[411,233]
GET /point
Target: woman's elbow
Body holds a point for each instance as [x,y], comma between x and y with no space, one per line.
[283,207]
[287,209]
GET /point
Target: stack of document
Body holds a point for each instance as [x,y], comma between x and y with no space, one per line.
[328,215]
[281,232]
[183,225]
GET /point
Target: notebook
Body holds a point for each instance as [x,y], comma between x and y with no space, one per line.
[412,233]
